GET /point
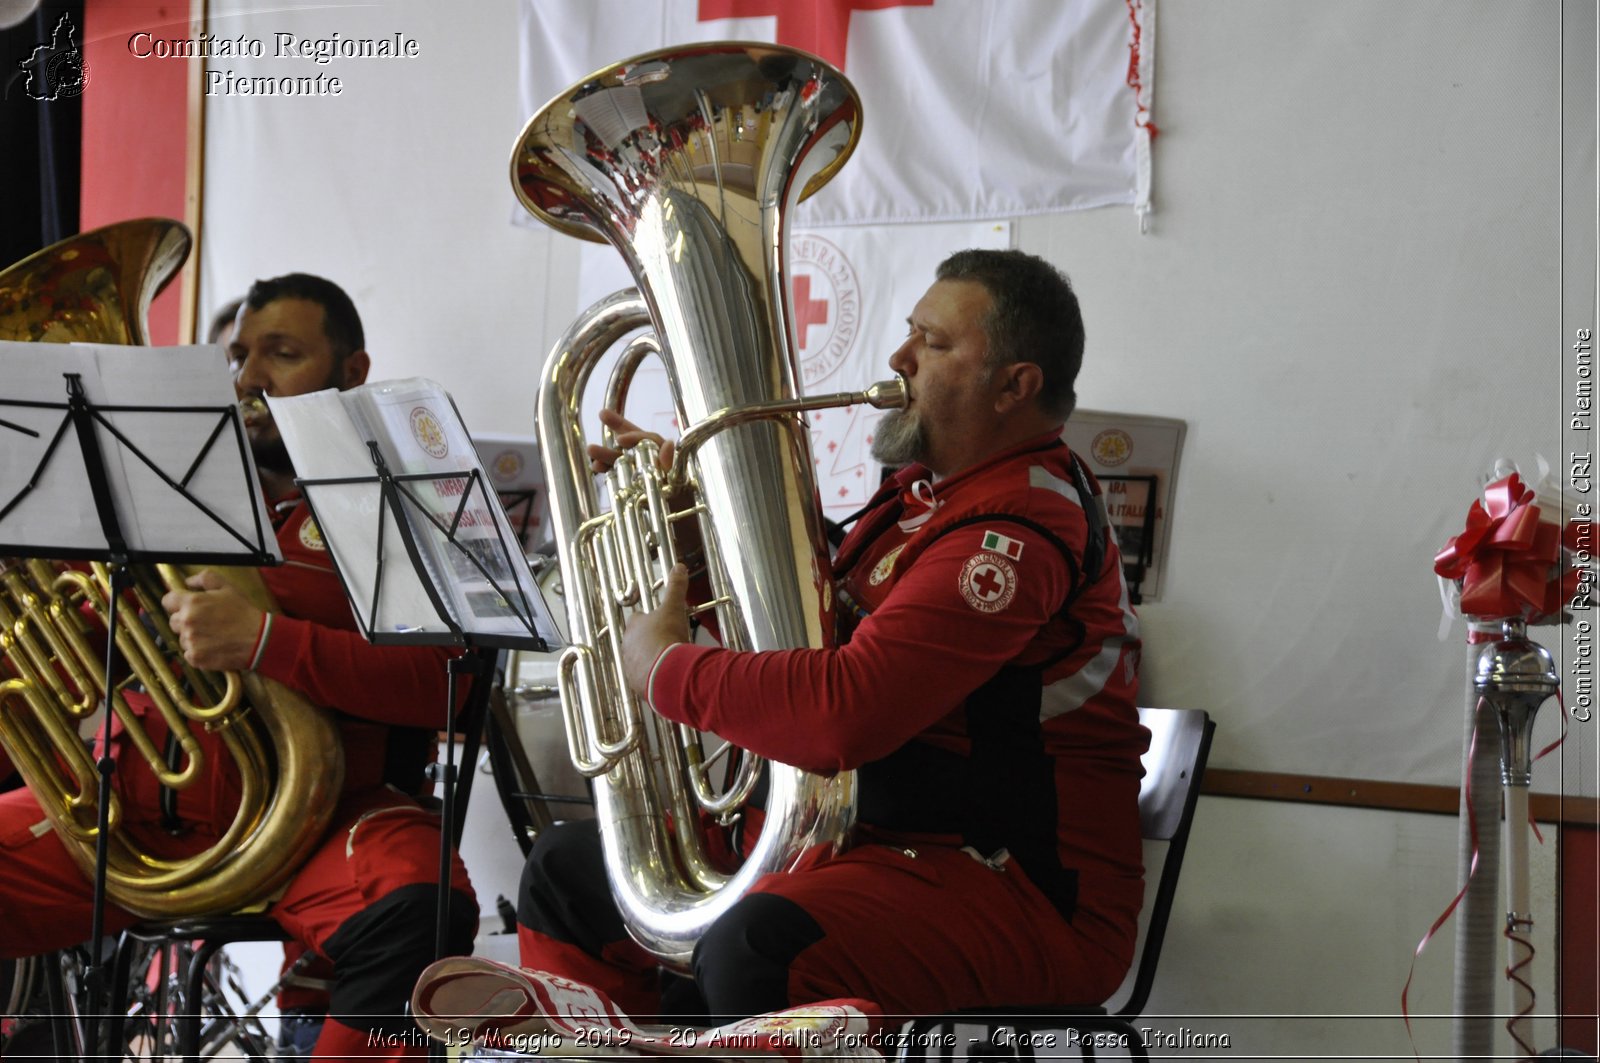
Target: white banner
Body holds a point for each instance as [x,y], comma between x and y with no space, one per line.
[851,289]
[972,109]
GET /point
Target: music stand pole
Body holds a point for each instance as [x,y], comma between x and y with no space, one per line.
[447,777]
[447,813]
[472,662]
[81,414]
[106,767]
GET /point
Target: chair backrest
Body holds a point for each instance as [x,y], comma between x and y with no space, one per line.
[1180,742]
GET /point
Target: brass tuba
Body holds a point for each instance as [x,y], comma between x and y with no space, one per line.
[689,161]
[97,287]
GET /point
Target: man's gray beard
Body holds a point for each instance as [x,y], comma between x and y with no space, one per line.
[900,439]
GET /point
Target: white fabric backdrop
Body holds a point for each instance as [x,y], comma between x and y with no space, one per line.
[1041,84]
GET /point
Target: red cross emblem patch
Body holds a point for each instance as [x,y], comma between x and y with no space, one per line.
[988,582]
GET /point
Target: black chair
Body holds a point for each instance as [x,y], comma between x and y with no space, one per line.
[187,1007]
[1180,742]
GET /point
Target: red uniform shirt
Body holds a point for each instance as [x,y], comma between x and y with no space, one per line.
[388,701]
[316,648]
[985,686]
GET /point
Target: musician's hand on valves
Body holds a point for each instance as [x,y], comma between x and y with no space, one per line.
[686,534]
[627,435]
[649,634]
[217,628]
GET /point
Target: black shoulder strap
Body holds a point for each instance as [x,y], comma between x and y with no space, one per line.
[1099,522]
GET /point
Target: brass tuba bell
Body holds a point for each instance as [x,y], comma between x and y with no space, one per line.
[688,162]
[97,287]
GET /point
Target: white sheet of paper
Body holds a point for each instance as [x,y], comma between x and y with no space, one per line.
[191,386]
[59,509]
[324,444]
[425,435]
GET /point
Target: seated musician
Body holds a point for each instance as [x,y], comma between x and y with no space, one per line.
[366,899]
[984,687]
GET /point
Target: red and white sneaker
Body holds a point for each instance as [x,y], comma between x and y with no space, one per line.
[463,1000]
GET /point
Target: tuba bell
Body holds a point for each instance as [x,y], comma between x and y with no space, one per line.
[688,162]
[97,287]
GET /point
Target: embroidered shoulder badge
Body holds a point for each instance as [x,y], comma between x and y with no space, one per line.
[1000,544]
[988,582]
[881,570]
[311,535]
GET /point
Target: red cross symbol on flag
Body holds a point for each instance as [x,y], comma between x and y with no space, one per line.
[807,311]
[821,27]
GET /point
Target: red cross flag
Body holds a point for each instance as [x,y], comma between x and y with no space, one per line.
[973,109]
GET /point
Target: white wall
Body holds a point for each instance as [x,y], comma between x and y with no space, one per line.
[398,188]
[1358,291]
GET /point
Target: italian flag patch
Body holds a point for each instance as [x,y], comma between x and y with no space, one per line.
[1001,544]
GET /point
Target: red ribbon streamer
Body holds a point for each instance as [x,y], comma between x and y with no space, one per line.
[1455,902]
[1508,560]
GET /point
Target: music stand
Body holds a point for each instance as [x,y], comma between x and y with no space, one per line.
[401,507]
[126,453]
[388,540]
[471,565]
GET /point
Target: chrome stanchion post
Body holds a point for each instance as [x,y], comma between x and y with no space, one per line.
[1514,677]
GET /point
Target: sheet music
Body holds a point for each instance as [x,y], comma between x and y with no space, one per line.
[194,378]
[325,443]
[193,387]
[417,429]
[421,432]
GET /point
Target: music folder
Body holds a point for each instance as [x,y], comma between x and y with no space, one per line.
[416,532]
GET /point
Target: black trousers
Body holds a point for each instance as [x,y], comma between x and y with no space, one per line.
[740,966]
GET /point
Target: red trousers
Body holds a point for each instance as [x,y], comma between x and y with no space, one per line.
[917,931]
[365,899]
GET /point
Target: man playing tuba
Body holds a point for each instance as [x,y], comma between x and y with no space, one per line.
[366,899]
[984,687]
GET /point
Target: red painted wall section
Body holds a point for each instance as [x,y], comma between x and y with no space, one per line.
[1579,937]
[136,129]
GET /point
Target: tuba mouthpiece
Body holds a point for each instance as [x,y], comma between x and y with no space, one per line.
[887,394]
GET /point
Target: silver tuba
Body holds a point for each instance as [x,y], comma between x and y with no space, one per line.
[688,161]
